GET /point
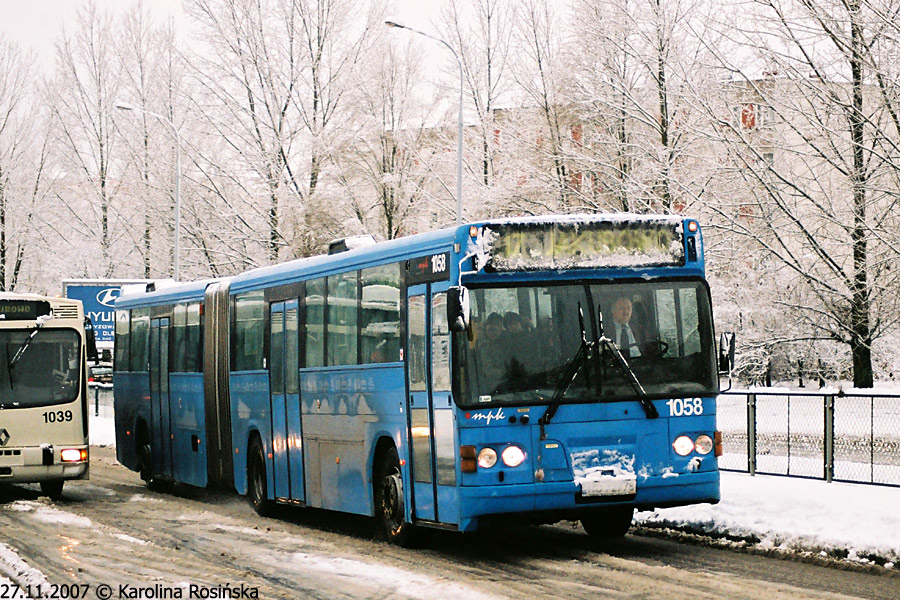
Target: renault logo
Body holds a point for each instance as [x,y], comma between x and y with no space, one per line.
[4,437]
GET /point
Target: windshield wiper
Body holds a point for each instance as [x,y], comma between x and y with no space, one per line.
[581,357]
[21,351]
[611,347]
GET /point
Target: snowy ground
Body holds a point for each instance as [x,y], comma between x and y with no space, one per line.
[843,520]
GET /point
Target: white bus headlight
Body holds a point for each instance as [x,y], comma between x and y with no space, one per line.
[513,456]
[683,445]
[704,444]
[487,458]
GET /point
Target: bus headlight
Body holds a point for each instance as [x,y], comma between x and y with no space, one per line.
[487,458]
[513,456]
[703,444]
[73,455]
[683,445]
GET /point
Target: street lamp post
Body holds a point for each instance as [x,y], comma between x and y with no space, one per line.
[459,132]
[167,121]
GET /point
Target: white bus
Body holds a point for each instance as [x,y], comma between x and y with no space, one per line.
[44,347]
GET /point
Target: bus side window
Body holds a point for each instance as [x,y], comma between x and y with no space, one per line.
[193,340]
[343,310]
[179,321]
[249,330]
[140,339]
[313,304]
[379,328]
[122,340]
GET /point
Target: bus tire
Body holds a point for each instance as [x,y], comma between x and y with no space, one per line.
[390,508]
[145,462]
[52,489]
[608,523]
[257,487]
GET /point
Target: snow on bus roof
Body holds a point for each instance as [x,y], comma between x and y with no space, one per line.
[579,218]
[162,289]
[396,249]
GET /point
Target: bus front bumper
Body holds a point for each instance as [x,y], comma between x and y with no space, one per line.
[33,465]
[564,501]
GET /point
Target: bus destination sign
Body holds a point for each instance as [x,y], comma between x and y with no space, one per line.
[593,245]
[23,310]
[428,269]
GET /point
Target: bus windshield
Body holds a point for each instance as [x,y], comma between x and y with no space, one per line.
[46,371]
[522,341]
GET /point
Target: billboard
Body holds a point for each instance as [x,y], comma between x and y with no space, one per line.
[98,297]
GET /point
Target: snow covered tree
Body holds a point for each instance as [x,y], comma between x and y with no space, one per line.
[274,76]
[386,165]
[23,153]
[816,137]
[87,83]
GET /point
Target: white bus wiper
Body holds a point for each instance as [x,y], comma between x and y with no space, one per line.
[581,357]
[611,347]
[21,351]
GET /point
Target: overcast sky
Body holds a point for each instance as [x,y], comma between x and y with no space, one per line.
[35,23]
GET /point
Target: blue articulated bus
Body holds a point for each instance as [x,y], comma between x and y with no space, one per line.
[560,367]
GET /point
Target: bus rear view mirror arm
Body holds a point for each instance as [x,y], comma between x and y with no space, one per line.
[726,356]
[458,308]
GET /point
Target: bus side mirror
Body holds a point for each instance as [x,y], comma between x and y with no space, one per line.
[458,308]
[726,353]
[90,339]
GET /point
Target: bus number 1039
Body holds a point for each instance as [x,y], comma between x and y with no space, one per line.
[57,416]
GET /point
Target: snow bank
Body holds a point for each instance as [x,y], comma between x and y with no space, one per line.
[858,522]
[102,431]
[13,567]
[48,514]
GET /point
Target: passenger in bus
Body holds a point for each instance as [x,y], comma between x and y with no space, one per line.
[622,332]
[516,326]
[492,353]
[520,342]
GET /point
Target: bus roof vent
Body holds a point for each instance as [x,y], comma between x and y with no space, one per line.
[350,243]
[64,311]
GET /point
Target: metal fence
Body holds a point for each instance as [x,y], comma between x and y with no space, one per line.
[827,434]
[100,399]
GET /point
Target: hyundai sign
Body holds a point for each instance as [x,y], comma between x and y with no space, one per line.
[98,297]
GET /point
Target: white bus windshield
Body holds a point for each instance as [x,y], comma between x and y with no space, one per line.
[46,370]
[522,341]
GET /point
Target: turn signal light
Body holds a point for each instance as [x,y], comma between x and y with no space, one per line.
[717,436]
[73,455]
[467,462]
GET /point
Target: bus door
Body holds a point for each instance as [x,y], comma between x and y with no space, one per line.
[160,417]
[284,385]
[431,405]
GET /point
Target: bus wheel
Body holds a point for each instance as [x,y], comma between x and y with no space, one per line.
[256,481]
[52,489]
[389,503]
[608,523]
[145,462]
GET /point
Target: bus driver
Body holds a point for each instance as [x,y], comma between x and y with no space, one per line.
[623,335]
